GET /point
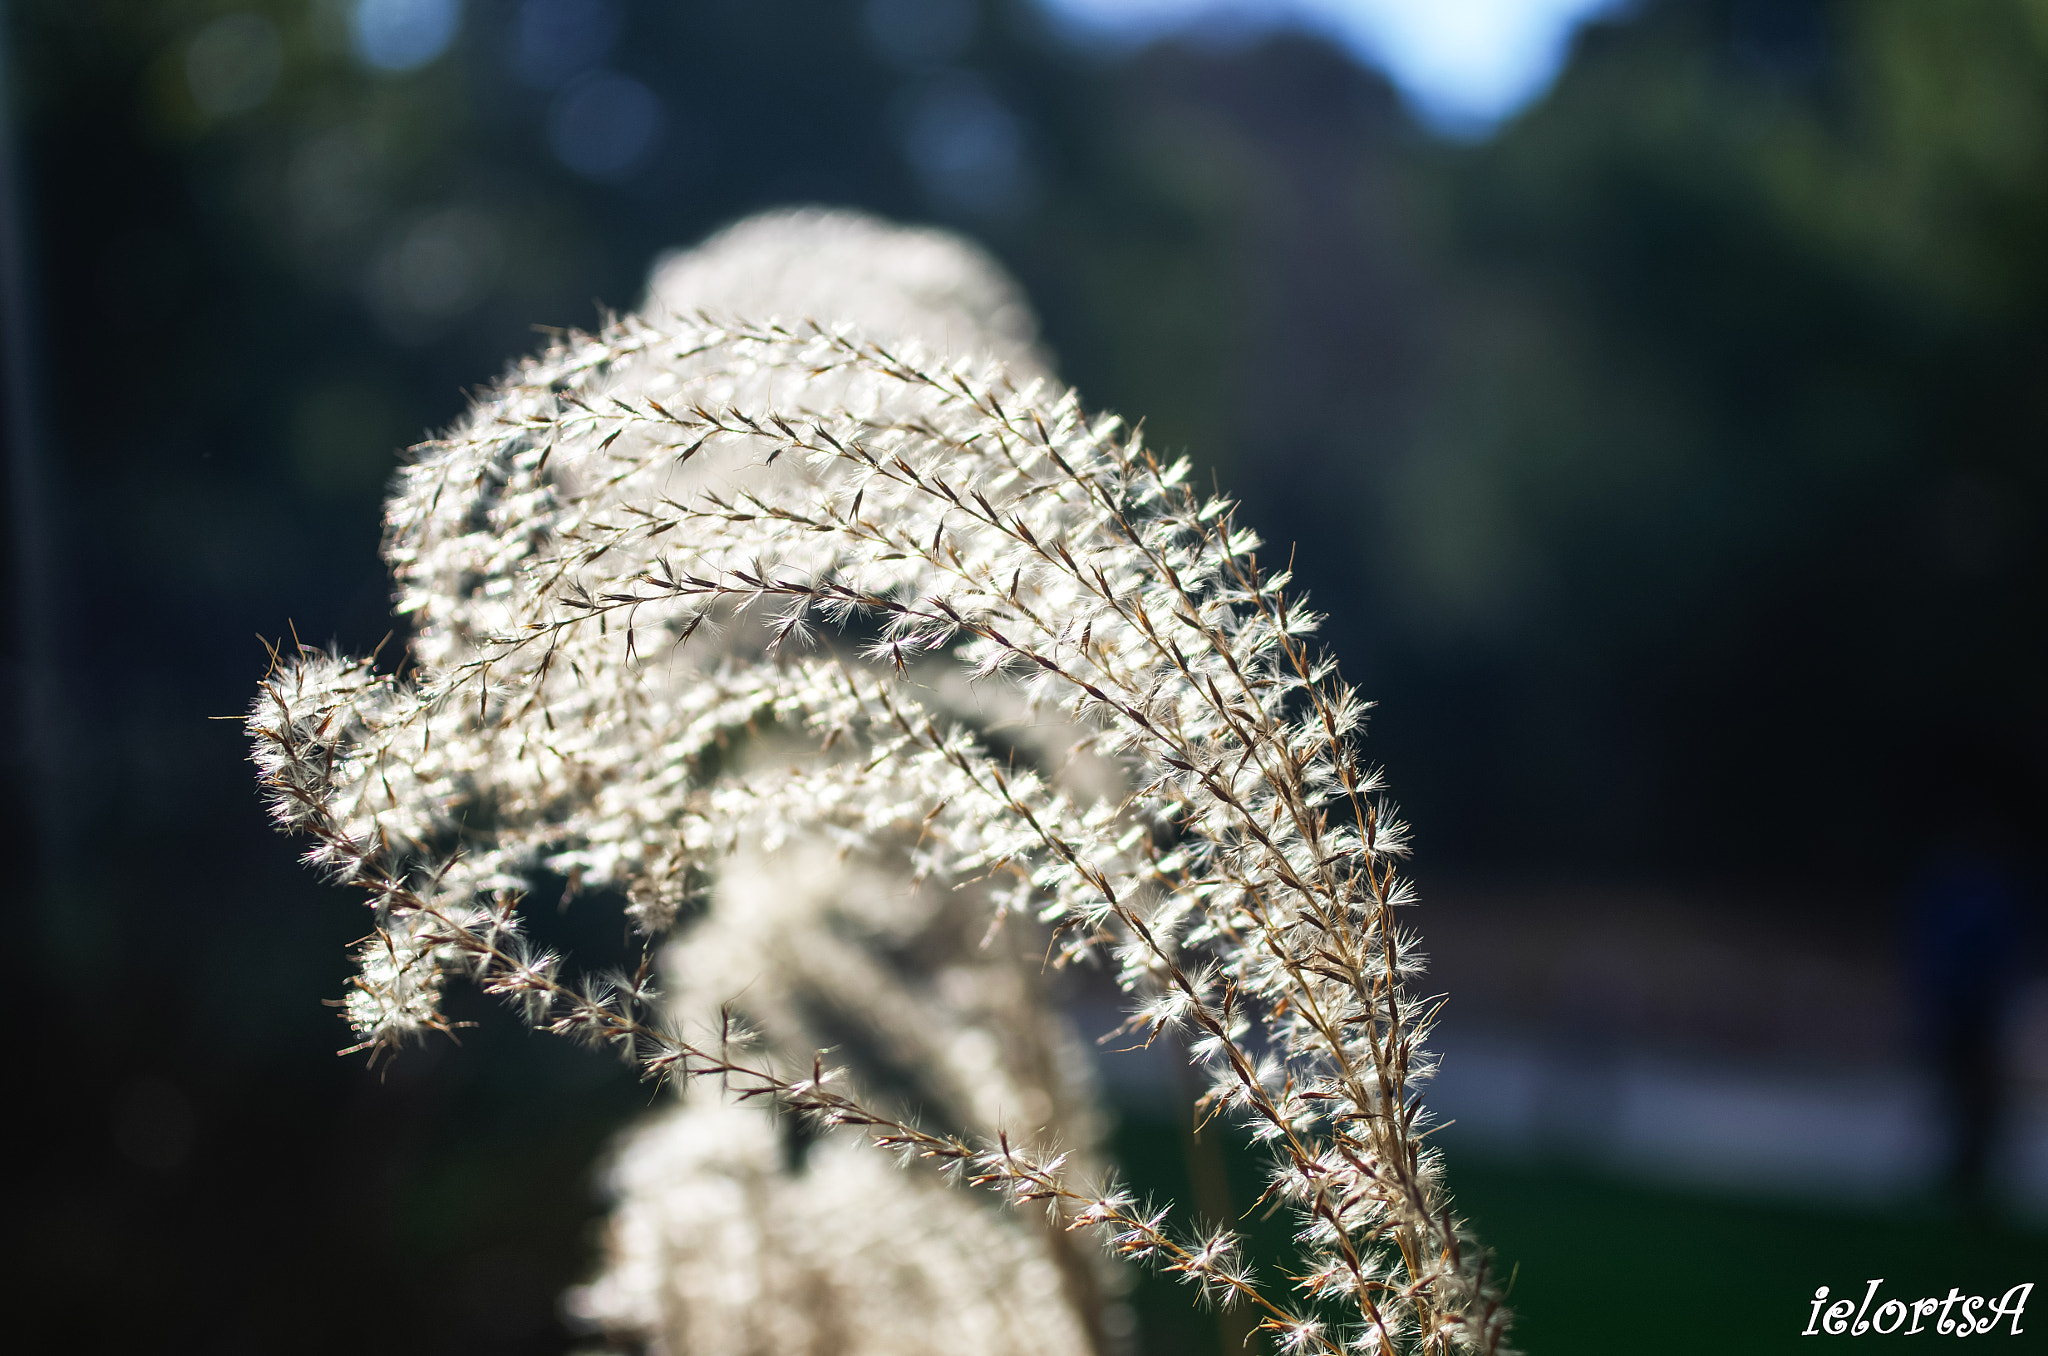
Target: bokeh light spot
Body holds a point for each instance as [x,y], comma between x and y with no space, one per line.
[967,148]
[233,64]
[403,35]
[438,268]
[604,125]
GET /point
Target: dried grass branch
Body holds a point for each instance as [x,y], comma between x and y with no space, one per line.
[655,543]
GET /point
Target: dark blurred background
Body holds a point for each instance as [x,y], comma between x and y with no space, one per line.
[1671,455]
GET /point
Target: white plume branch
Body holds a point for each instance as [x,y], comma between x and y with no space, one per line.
[696,583]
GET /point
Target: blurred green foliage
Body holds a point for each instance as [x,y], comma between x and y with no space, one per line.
[1731,460]
[1600,1266]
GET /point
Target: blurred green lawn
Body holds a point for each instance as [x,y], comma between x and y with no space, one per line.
[1606,1266]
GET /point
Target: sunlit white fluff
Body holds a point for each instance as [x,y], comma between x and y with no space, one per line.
[681,591]
[717,1245]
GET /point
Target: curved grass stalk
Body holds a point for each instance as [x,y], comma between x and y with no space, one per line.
[612,565]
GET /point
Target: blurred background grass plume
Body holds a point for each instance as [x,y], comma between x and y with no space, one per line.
[1663,423]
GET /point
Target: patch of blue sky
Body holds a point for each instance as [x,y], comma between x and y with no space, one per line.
[1464,66]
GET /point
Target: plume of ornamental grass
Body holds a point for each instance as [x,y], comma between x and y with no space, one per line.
[723,1240]
[727,1238]
[718,1245]
[655,558]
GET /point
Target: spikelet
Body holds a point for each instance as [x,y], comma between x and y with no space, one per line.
[724,582]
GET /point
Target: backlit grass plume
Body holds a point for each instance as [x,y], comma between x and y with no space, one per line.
[796,559]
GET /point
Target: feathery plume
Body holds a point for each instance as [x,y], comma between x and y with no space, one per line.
[721,582]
